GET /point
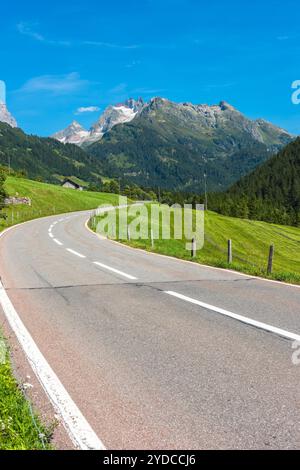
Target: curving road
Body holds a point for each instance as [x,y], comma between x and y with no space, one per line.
[148,347]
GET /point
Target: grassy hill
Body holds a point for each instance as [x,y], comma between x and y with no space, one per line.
[251,241]
[49,199]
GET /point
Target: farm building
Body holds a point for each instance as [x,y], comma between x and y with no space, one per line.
[68,183]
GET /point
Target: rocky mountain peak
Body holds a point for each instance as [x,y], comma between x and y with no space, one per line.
[73,134]
[226,106]
[6,116]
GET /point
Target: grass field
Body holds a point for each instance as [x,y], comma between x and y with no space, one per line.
[48,199]
[250,240]
[19,427]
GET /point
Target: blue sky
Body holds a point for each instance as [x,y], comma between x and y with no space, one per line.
[57,57]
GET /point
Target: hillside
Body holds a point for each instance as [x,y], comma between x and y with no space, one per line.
[48,199]
[44,157]
[250,241]
[172,145]
[271,192]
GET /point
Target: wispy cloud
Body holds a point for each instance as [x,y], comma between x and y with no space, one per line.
[30,30]
[27,29]
[55,84]
[147,91]
[132,64]
[283,38]
[109,45]
[88,109]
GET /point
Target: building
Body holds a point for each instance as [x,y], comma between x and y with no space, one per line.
[70,184]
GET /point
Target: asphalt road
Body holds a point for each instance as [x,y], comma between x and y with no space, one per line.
[148,369]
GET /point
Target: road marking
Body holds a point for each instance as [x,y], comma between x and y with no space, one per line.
[51,235]
[57,241]
[79,430]
[75,253]
[115,270]
[248,321]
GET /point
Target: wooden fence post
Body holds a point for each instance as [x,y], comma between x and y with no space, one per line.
[152,239]
[270,261]
[194,248]
[229,252]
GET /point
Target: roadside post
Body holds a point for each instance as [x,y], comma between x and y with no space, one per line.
[270,261]
[152,239]
[229,252]
[194,248]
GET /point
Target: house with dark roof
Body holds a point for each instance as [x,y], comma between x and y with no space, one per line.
[70,184]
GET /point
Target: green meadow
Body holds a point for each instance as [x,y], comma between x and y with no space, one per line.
[251,241]
[48,199]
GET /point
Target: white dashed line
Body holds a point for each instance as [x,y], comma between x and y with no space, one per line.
[75,253]
[58,242]
[51,235]
[128,276]
[248,321]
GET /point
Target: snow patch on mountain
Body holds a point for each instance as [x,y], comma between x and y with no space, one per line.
[6,117]
[112,116]
[73,134]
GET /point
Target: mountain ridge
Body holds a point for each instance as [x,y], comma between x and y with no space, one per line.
[45,158]
[171,145]
[113,115]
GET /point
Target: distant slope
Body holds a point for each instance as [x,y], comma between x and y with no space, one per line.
[250,241]
[271,192]
[171,145]
[44,157]
[48,199]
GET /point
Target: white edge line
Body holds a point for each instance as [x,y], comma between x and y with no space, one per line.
[57,242]
[241,318]
[115,270]
[79,430]
[75,253]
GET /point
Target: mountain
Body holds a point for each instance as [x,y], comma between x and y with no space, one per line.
[45,158]
[172,145]
[270,193]
[6,117]
[113,115]
[73,134]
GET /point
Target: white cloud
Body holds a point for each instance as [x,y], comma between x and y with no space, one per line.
[109,45]
[27,30]
[88,109]
[55,84]
[283,38]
